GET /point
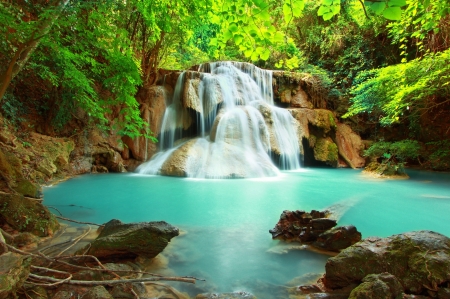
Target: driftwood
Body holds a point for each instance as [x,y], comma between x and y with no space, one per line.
[49,278]
[74,221]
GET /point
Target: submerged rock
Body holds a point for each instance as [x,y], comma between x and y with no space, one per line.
[234,295]
[419,260]
[120,240]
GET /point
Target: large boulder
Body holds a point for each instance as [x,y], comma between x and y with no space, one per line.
[419,260]
[119,240]
[14,270]
[27,215]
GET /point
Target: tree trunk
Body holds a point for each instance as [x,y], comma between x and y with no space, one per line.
[26,49]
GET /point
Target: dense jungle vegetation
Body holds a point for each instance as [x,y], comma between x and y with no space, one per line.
[385,65]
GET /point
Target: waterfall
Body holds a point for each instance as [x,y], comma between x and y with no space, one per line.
[238,130]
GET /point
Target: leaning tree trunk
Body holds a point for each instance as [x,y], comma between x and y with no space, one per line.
[26,49]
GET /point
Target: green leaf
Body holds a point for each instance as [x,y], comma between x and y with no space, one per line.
[323,10]
[227,35]
[264,15]
[265,55]
[238,39]
[260,3]
[392,13]
[378,7]
[233,28]
[278,38]
[327,2]
[213,42]
[335,9]
[287,10]
[392,3]
[328,16]
[248,52]
[298,9]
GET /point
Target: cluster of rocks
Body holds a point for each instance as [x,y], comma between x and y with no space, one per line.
[409,265]
[315,228]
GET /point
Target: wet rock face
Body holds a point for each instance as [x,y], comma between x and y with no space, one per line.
[350,146]
[120,240]
[419,260]
[316,229]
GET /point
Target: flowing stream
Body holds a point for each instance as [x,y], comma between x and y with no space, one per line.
[225,223]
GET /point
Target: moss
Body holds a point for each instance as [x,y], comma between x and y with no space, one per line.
[326,150]
[27,215]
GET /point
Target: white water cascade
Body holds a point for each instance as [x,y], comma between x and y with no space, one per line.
[239,131]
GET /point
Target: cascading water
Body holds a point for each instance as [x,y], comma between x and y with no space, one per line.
[237,125]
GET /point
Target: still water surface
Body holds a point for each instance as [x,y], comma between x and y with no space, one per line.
[227,221]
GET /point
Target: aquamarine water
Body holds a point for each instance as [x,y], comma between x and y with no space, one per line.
[227,221]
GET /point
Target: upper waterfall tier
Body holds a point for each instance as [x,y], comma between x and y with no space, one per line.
[238,132]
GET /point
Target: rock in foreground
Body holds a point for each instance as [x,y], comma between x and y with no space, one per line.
[420,261]
[119,240]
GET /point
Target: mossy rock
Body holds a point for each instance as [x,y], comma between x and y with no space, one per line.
[27,215]
[385,170]
[325,150]
[384,285]
[14,269]
[419,260]
[10,167]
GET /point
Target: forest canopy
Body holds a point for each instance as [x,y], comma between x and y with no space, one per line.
[97,55]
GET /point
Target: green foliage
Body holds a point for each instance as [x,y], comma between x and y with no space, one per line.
[423,28]
[399,90]
[439,154]
[399,151]
[13,109]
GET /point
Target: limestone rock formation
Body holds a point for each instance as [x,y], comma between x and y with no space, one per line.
[350,146]
[153,101]
[119,240]
[27,215]
[14,269]
[419,260]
